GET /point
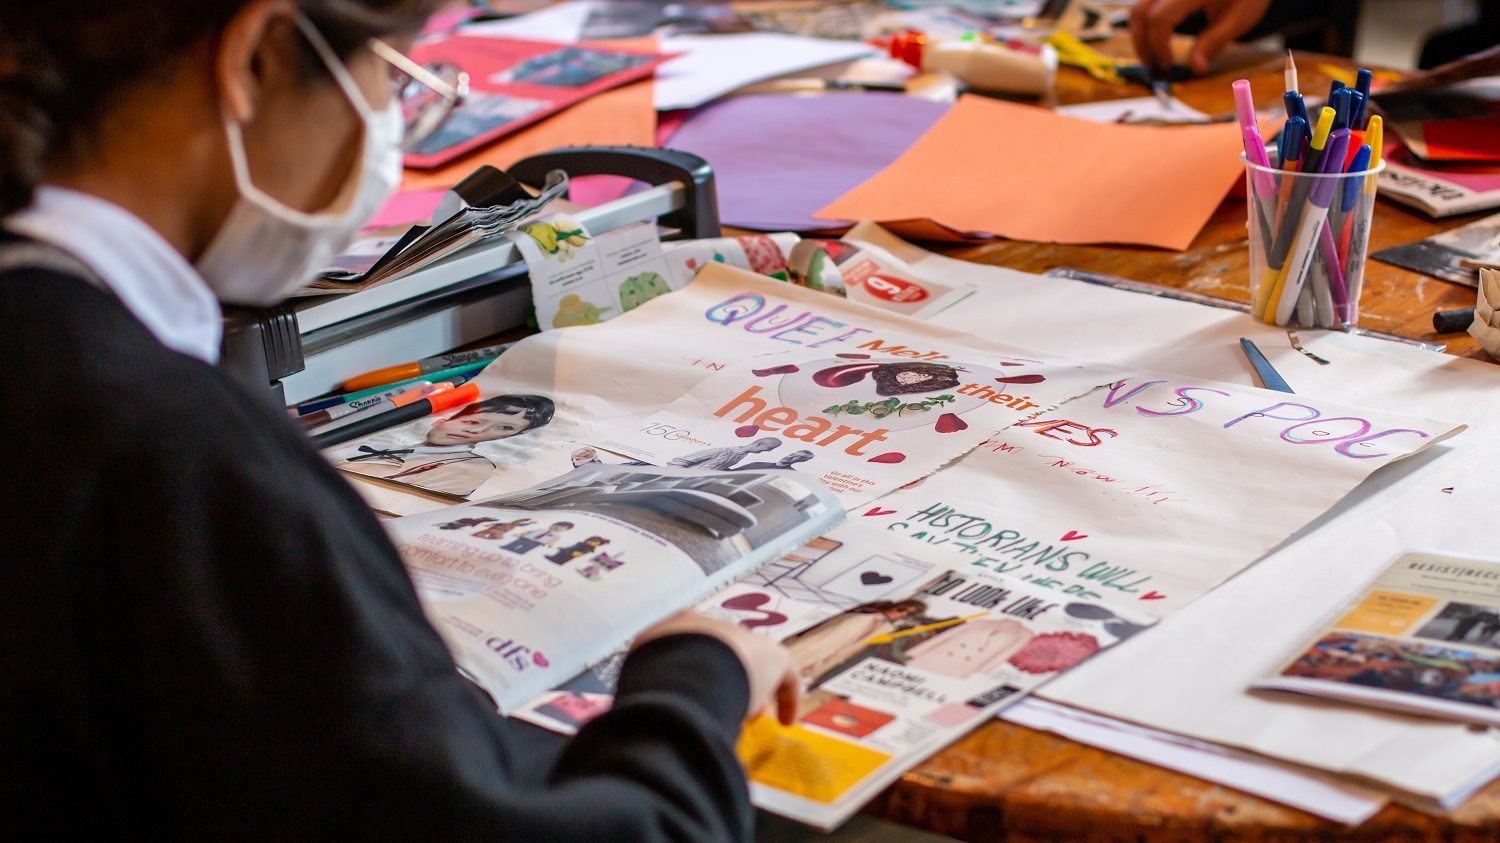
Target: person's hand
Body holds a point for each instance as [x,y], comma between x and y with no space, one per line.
[1153,21]
[773,674]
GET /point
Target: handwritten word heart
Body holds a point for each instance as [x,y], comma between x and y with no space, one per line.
[876,512]
[1074,534]
[1153,595]
[875,578]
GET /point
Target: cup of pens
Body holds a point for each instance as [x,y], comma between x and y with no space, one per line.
[1310,201]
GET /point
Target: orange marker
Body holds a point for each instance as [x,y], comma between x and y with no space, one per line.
[434,403]
[416,369]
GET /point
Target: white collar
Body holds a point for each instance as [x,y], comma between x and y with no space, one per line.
[154,282]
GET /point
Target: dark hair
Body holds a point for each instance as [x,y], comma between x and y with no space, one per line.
[63,64]
[538,408]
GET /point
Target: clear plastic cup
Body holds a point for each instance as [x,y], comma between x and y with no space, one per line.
[1309,236]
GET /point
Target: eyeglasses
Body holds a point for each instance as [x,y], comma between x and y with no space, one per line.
[428,93]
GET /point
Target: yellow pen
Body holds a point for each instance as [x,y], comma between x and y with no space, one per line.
[886,638]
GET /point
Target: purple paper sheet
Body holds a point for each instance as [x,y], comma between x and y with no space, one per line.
[780,158]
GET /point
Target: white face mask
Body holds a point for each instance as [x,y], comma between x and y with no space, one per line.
[266,250]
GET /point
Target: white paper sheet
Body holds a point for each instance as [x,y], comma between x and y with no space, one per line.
[1321,795]
[1135,110]
[713,65]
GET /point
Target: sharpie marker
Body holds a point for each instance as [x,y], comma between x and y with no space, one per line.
[383,407]
[437,403]
[339,411]
[457,374]
[390,374]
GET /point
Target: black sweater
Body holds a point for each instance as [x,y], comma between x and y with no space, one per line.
[207,634]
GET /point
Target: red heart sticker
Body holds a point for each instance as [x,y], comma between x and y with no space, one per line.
[875,512]
[1073,534]
[950,423]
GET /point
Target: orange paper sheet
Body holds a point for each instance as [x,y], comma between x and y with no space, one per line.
[991,167]
[622,116]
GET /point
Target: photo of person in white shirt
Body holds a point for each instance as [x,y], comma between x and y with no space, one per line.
[446,461]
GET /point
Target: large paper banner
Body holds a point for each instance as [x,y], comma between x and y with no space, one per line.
[1152,490]
[1139,487]
[862,423]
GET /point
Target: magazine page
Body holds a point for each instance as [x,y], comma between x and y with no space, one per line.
[898,659]
[515,82]
[829,574]
[863,423]
[530,588]
[1423,637]
[891,682]
[1439,190]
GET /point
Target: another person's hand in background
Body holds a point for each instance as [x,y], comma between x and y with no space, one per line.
[772,673]
[1152,23]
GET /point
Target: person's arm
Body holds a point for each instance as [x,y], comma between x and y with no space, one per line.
[1152,23]
[271,671]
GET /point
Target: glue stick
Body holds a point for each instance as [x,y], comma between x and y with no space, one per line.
[980,62]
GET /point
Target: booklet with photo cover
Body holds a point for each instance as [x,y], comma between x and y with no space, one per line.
[1423,638]
[898,658]
[530,588]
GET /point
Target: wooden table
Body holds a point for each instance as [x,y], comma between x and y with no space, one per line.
[1007,782]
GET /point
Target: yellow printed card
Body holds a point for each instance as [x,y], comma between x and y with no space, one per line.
[1387,612]
[804,763]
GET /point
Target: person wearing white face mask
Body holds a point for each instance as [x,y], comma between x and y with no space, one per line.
[206,631]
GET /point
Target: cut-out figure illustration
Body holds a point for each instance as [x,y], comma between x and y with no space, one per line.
[601,564]
[498,531]
[545,537]
[567,554]
[463,523]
